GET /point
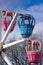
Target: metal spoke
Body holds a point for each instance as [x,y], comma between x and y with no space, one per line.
[13,43]
[4,56]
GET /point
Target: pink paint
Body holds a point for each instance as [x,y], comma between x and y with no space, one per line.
[34,57]
[5,25]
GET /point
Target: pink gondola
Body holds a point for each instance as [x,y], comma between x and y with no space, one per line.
[6,22]
[33,49]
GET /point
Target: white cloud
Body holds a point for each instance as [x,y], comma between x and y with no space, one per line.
[37,12]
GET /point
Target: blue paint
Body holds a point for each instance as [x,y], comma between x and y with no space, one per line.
[26,24]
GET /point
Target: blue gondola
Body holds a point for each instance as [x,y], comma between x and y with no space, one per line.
[26,24]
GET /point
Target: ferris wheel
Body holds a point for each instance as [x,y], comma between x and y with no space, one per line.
[8,28]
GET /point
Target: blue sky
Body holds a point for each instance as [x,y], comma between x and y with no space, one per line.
[18,4]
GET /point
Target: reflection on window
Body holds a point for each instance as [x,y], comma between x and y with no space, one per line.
[29,48]
[36,46]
